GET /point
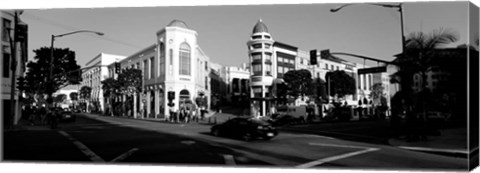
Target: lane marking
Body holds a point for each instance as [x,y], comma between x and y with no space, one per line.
[305,135]
[84,149]
[124,155]
[434,150]
[229,160]
[188,142]
[333,158]
[337,157]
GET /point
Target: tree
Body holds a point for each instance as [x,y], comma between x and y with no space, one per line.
[298,82]
[340,83]
[377,93]
[73,96]
[111,89]
[65,71]
[419,57]
[130,81]
[85,92]
[60,98]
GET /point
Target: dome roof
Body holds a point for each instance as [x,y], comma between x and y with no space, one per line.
[178,23]
[260,27]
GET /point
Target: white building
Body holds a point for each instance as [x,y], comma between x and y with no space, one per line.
[271,59]
[7,32]
[174,63]
[96,72]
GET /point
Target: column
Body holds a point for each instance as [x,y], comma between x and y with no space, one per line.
[148,103]
[135,112]
[157,106]
[263,106]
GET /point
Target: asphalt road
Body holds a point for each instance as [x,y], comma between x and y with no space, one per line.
[119,140]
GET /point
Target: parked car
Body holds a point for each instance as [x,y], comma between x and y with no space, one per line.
[67,115]
[245,128]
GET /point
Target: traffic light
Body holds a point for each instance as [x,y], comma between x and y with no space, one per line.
[324,54]
[171,96]
[313,57]
[117,67]
[21,83]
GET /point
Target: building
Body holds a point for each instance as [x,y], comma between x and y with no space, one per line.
[237,83]
[12,30]
[271,59]
[175,63]
[96,71]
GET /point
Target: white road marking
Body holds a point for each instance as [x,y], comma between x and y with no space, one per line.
[124,155]
[305,135]
[229,160]
[89,153]
[337,157]
[188,142]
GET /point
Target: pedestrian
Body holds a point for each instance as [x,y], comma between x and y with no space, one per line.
[193,111]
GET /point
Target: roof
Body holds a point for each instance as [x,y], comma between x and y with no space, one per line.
[260,27]
[178,23]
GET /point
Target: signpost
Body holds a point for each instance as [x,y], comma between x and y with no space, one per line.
[372,70]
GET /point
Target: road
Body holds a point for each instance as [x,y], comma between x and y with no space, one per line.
[120,140]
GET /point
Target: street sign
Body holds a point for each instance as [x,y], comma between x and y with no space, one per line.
[372,70]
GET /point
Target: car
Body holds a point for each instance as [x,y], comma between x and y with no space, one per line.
[67,116]
[245,128]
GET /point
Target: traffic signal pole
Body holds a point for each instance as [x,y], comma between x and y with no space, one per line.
[13,68]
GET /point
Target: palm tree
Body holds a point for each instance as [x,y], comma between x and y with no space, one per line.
[418,58]
[85,93]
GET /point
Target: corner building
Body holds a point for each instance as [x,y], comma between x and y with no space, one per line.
[174,63]
[271,59]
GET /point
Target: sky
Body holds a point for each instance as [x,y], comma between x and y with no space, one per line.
[224,30]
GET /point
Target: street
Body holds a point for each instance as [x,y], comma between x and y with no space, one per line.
[116,140]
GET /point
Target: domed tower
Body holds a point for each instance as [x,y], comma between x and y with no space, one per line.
[260,50]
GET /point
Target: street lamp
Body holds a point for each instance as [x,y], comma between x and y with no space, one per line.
[398,6]
[50,87]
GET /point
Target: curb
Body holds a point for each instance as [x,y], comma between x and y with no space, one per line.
[446,152]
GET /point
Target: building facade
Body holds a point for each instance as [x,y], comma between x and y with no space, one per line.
[270,60]
[175,63]
[8,32]
[96,71]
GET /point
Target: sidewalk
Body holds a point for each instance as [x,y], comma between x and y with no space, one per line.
[451,142]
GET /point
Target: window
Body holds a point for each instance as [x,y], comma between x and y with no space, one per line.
[326,66]
[145,71]
[364,78]
[338,68]
[161,60]
[206,65]
[280,69]
[257,69]
[291,61]
[206,83]
[331,67]
[267,46]
[257,37]
[268,57]
[268,69]
[184,59]
[301,61]
[267,37]
[257,46]
[256,56]
[6,24]
[152,68]
[6,65]
[257,92]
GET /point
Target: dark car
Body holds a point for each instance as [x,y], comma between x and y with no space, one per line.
[245,128]
[67,116]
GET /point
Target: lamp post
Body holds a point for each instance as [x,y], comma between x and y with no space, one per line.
[50,85]
[400,10]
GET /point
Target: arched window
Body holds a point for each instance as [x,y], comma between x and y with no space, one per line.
[184,59]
